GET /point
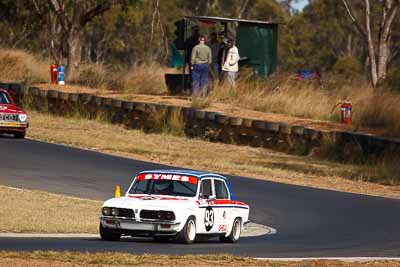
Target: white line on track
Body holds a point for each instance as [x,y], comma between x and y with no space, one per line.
[96,236]
[252,229]
[344,259]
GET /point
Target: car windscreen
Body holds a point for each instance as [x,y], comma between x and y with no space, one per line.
[165,184]
[4,99]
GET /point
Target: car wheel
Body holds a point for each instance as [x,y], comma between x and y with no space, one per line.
[188,234]
[20,135]
[107,234]
[234,236]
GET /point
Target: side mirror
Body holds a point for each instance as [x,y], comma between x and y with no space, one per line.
[212,198]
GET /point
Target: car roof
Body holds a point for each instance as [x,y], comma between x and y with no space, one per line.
[199,174]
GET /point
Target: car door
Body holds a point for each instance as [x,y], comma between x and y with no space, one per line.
[222,205]
[206,220]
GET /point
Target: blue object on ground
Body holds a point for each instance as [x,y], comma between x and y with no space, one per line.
[61,75]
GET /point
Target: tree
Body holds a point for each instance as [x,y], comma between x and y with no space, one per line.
[73,16]
[317,37]
[18,27]
[379,56]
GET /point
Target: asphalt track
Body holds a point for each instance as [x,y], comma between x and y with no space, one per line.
[310,222]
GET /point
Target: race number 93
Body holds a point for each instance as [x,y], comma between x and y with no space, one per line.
[209,218]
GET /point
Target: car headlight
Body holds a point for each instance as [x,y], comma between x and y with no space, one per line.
[170,216]
[106,211]
[22,117]
[114,211]
[165,215]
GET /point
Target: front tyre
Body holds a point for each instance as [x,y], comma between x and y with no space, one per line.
[107,234]
[188,234]
[234,236]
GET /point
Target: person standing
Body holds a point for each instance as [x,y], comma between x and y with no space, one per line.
[222,52]
[231,63]
[200,59]
[215,51]
[190,43]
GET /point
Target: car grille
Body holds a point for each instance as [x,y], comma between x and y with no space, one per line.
[127,213]
[162,215]
[8,117]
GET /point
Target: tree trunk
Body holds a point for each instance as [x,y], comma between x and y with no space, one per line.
[349,45]
[72,23]
[366,64]
[370,43]
[383,59]
[378,65]
[243,8]
[74,51]
[389,12]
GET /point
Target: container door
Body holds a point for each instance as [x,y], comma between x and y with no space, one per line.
[258,43]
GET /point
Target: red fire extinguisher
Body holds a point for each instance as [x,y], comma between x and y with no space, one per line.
[347,112]
[53,73]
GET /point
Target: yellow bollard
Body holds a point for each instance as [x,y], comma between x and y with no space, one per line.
[117,191]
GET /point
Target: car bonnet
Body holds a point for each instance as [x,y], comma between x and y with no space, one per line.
[149,202]
[10,109]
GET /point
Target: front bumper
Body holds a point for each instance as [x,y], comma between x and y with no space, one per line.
[6,126]
[142,228]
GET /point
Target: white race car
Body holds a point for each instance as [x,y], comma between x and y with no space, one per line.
[175,203]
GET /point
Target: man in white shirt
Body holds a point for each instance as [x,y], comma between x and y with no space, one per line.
[231,63]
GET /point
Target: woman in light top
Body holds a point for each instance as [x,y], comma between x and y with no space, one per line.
[231,62]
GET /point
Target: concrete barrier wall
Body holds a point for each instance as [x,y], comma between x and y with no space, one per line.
[211,126]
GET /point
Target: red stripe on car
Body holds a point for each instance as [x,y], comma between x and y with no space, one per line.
[171,177]
[227,202]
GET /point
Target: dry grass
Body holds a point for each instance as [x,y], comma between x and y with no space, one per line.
[139,79]
[55,259]
[200,103]
[383,169]
[279,94]
[25,211]
[208,105]
[21,66]
[90,75]
[144,79]
[166,122]
[372,108]
[198,154]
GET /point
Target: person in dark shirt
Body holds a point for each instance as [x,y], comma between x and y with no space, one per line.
[223,49]
[215,46]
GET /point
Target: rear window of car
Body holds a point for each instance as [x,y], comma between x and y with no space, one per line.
[220,190]
[4,99]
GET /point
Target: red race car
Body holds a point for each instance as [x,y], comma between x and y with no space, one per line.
[13,120]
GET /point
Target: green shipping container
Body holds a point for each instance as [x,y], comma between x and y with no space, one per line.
[258,43]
